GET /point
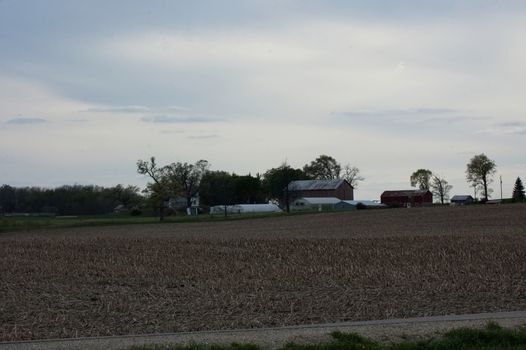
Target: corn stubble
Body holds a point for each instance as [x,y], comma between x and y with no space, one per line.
[260,273]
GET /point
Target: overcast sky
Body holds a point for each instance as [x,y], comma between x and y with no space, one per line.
[89,87]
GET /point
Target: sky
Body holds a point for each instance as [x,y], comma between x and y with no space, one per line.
[87,88]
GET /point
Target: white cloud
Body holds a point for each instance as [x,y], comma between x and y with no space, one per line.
[409,94]
[506,128]
[170,119]
[22,97]
[210,49]
[311,66]
[134,109]
[203,137]
[26,121]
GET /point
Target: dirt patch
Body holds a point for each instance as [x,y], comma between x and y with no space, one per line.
[259,273]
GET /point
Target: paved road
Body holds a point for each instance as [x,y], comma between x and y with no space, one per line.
[272,338]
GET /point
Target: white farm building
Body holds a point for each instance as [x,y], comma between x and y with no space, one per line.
[258,208]
[245,209]
[332,203]
[315,203]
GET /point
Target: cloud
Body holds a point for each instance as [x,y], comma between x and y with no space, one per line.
[209,47]
[134,109]
[26,121]
[511,124]
[396,112]
[421,116]
[169,132]
[172,119]
[506,128]
[203,137]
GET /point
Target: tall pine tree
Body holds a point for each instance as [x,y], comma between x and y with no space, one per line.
[518,191]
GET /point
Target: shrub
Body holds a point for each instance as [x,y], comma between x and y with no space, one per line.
[135,211]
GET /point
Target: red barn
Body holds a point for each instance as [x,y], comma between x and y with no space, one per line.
[337,188]
[408,198]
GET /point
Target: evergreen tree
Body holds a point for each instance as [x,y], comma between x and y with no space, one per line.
[518,191]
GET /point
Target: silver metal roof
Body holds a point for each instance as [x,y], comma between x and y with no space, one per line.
[367,203]
[313,185]
[461,197]
[403,193]
[319,200]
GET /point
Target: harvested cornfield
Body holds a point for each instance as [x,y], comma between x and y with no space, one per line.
[264,272]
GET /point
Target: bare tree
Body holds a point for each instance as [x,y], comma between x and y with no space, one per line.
[352,175]
[441,188]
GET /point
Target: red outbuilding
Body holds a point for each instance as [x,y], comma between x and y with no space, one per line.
[407,198]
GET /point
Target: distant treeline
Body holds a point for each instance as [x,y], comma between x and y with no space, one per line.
[179,181]
[67,200]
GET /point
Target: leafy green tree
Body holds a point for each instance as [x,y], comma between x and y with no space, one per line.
[217,188]
[440,188]
[67,199]
[187,177]
[275,183]
[7,199]
[222,188]
[128,196]
[421,179]
[518,191]
[161,188]
[323,168]
[248,189]
[172,180]
[479,172]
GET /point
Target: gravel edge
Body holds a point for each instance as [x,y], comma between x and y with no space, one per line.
[273,338]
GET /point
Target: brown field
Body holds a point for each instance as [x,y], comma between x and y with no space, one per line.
[264,272]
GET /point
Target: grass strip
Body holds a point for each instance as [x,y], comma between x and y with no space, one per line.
[493,337]
[10,224]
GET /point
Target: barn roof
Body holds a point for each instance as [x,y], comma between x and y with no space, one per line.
[405,193]
[313,185]
[461,197]
[320,200]
[367,203]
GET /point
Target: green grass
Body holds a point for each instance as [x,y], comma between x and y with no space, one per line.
[32,223]
[21,223]
[492,337]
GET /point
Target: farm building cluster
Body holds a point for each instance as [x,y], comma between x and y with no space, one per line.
[335,194]
[323,195]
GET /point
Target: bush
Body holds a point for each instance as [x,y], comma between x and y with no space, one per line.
[135,211]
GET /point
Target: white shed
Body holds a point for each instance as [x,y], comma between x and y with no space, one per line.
[245,209]
[315,203]
[258,208]
[220,209]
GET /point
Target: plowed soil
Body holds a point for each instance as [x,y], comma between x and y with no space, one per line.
[371,264]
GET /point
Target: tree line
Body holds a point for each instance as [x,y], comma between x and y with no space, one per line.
[68,200]
[479,174]
[175,180]
[217,187]
[223,188]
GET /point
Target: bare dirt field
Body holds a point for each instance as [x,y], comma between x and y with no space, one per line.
[318,268]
